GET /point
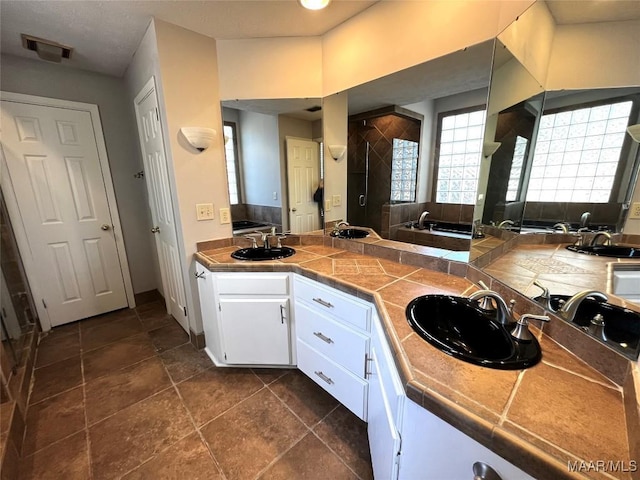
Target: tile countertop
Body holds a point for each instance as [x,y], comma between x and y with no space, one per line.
[538,419]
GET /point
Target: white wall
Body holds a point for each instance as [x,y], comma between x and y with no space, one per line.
[334,111]
[260,158]
[595,55]
[391,36]
[270,68]
[35,77]
[530,39]
[189,87]
[427,148]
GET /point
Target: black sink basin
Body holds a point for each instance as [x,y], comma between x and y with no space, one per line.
[350,233]
[261,253]
[617,251]
[460,328]
[621,325]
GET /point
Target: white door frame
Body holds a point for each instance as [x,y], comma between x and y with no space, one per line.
[16,217]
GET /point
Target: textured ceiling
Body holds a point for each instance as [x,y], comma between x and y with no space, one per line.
[567,12]
[105,34]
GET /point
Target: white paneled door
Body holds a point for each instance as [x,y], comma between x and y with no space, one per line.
[160,203]
[303,170]
[55,170]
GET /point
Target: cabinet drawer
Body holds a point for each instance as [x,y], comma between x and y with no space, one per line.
[340,343]
[252,284]
[345,387]
[329,300]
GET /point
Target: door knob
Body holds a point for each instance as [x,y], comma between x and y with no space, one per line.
[294,209]
[105,227]
[155,230]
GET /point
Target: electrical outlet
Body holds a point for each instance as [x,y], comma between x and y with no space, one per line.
[204,211]
[225,215]
[327,205]
[275,195]
[634,211]
[336,200]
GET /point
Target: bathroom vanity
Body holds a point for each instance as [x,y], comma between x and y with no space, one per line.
[423,408]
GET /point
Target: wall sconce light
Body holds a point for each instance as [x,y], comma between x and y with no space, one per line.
[314,4]
[489,148]
[337,151]
[199,138]
[634,132]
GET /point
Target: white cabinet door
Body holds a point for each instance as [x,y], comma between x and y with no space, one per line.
[208,308]
[431,448]
[255,331]
[384,439]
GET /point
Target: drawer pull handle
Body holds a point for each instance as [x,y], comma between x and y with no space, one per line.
[323,303]
[282,307]
[322,337]
[324,377]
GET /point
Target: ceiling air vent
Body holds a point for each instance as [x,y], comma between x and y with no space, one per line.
[315,108]
[46,49]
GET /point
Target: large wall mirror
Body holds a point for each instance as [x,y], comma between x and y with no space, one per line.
[274,164]
[561,159]
[414,142]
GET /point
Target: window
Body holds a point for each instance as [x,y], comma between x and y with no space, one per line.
[459,154]
[404,170]
[516,168]
[231,155]
[577,154]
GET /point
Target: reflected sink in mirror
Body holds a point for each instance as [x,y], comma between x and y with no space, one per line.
[616,251]
[459,327]
[350,233]
[261,253]
[621,326]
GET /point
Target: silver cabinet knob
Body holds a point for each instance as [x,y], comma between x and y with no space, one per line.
[105,227]
[482,471]
[155,230]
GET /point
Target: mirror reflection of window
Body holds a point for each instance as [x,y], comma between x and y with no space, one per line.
[459,152]
[577,153]
[404,170]
[515,173]
[231,155]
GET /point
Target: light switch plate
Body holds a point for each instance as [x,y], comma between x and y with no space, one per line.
[634,211]
[204,211]
[336,200]
[225,216]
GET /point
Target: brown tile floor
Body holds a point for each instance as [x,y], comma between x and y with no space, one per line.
[125,395]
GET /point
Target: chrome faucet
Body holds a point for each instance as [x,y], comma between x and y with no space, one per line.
[342,224]
[545,298]
[570,307]
[264,236]
[504,314]
[521,330]
[606,235]
[584,219]
[421,220]
[503,224]
[562,226]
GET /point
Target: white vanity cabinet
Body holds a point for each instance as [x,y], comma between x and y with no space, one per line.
[431,448]
[332,341]
[386,402]
[246,317]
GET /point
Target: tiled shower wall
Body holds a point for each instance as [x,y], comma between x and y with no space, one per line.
[379,131]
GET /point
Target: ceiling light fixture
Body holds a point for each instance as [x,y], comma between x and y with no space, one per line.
[314,4]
